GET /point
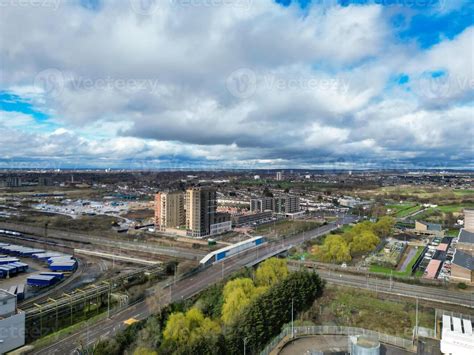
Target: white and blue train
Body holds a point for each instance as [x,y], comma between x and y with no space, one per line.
[221,254]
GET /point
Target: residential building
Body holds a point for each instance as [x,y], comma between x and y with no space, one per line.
[201,207]
[280,204]
[169,210]
[239,220]
[279,176]
[262,204]
[45,181]
[11,181]
[12,323]
[222,223]
[286,204]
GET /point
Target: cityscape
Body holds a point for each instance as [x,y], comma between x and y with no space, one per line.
[271,177]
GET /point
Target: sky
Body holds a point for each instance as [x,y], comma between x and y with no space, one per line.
[236,84]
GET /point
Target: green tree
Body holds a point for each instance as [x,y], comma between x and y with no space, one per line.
[144,351]
[271,271]
[185,329]
[237,295]
[265,316]
[363,242]
[384,226]
[334,249]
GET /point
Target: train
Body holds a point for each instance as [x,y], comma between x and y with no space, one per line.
[222,254]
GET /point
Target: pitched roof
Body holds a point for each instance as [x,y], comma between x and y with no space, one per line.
[466,237]
[464,260]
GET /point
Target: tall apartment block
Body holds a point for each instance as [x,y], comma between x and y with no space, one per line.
[286,204]
[201,204]
[262,204]
[279,175]
[169,210]
[279,204]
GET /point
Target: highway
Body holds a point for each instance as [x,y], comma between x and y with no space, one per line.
[182,289]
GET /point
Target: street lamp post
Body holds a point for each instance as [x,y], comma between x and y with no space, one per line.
[292,319]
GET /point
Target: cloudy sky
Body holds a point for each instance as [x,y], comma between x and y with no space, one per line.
[152,84]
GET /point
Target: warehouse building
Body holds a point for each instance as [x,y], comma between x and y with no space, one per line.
[12,323]
[462,267]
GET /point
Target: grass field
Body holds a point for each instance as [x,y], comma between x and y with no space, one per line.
[455,207]
[357,308]
[464,192]
[406,273]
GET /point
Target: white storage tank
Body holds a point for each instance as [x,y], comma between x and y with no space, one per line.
[363,345]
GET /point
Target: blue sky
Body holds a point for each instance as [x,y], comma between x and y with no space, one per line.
[244,84]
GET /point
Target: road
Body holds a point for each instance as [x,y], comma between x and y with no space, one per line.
[179,290]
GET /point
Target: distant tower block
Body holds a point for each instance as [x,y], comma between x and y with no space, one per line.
[469,220]
[279,176]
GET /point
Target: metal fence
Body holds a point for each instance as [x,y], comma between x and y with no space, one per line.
[335,330]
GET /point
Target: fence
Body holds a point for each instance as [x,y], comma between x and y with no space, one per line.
[335,330]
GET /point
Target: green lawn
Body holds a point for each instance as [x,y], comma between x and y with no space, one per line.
[463,192]
[455,207]
[386,270]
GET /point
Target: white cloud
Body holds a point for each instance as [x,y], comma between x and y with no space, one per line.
[127,87]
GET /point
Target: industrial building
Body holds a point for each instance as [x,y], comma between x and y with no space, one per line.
[457,337]
[12,323]
[466,241]
[462,267]
[169,210]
